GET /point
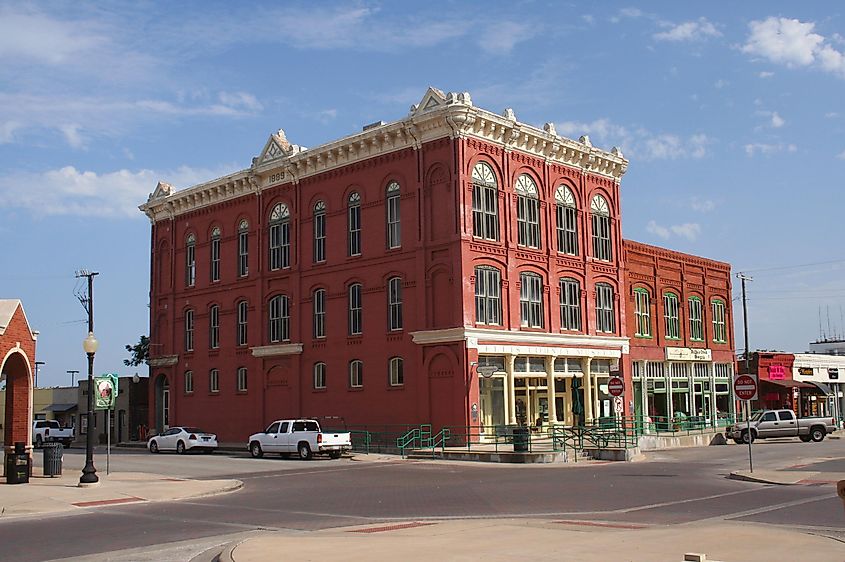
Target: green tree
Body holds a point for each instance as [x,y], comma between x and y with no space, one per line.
[140,352]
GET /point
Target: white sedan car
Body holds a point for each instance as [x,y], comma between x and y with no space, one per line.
[181,439]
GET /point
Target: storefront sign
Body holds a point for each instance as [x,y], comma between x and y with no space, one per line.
[776,372]
[688,354]
[833,374]
[805,371]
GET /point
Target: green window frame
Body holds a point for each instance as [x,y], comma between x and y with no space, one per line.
[696,319]
[671,317]
[719,330]
[642,311]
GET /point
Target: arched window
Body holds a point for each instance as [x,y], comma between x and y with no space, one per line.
[601,228]
[670,316]
[242,323]
[605,317]
[319,376]
[356,373]
[531,300]
[485,202]
[567,221]
[354,224]
[319,232]
[243,249]
[355,309]
[215,254]
[488,296]
[394,303]
[527,212]
[642,311]
[190,260]
[280,237]
[696,319]
[214,326]
[395,369]
[319,313]
[279,318]
[189,330]
[570,304]
[394,224]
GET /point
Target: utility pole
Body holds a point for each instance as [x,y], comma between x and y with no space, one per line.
[73,373]
[37,364]
[745,278]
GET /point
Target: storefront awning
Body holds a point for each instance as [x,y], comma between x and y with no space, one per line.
[823,387]
[788,383]
[59,407]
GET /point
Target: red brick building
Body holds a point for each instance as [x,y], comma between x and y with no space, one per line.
[17,358]
[681,330]
[456,267]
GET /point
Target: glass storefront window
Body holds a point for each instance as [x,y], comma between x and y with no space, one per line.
[492,399]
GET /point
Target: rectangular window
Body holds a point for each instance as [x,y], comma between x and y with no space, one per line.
[670,316]
[213,381]
[394,225]
[601,237]
[528,221]
[320,237]
[531,300]
[242,379]
[279,319]
[488,303]
[356,374]
[243,252]
[485,214]
[190,265]
[570,305]
[605,321]
[355,230]
[567,237]
[280,245]
[642,311]
[696,324]
[320,313]
[215,258]
[319,376]
[242,333]
[719,332]
[189,330]
[394,304]
[397,375]
[214,327]
[355,309]
[189,382]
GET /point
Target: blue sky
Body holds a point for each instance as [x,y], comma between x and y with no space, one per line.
[731,114]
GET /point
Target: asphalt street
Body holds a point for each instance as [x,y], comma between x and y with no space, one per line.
[681,487]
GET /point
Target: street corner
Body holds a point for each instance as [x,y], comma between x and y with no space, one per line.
[779,477]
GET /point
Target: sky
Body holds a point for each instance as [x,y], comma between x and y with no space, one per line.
[732,115]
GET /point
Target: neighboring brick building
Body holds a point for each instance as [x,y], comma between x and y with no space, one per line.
[681,330]
[376,276]
[17,358]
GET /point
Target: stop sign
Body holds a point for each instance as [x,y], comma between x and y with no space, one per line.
[615,386]
[745,387]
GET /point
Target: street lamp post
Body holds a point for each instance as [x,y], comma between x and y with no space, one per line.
[37,364]
[90,345]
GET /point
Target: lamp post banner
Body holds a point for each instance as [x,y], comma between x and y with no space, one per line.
[105,391]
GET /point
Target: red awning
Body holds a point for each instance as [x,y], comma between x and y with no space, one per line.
[788,383]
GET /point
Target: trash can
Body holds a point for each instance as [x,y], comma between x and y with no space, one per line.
[520,439]
[17,465]
[53,459]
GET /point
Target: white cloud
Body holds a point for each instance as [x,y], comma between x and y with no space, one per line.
[777,120]
[500,38]
[631,12]
[72,136]
[831,115]
[765,74]
[752,149]
[33,36]
[638,142]
[720,84]
[68,191]
[793,43]
[588,18]
[841,155]
[657,230]
[688,230]
[702,206]
[688,31]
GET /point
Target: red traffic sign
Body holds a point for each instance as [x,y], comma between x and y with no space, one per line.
[745,387]
[615,386]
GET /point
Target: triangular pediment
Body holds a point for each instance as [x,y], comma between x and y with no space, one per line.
[277,146]
[8,309]
[161,191]
[432,99]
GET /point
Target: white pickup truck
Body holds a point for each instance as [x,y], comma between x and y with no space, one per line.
[49,431]
[780,423]
[300,436]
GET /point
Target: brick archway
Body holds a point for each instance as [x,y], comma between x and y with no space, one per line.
[16,372]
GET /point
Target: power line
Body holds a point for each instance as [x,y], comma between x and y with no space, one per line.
[797,266]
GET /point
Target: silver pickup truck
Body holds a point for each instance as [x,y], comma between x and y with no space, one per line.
[780,423]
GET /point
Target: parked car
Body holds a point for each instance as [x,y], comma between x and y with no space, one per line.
[50,431]
[300,436]
[780,423]
[183,439]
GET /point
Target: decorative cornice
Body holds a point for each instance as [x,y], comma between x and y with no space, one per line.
[276,350]
[437,116]
[163,361]
[473,335]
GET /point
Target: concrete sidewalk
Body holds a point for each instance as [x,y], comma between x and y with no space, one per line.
[46,495]
[521,539]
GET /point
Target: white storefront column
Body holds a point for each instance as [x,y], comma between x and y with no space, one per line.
[550,384]
[670,409]
[713,419]
[588,390]
[644,393]
[510,402]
